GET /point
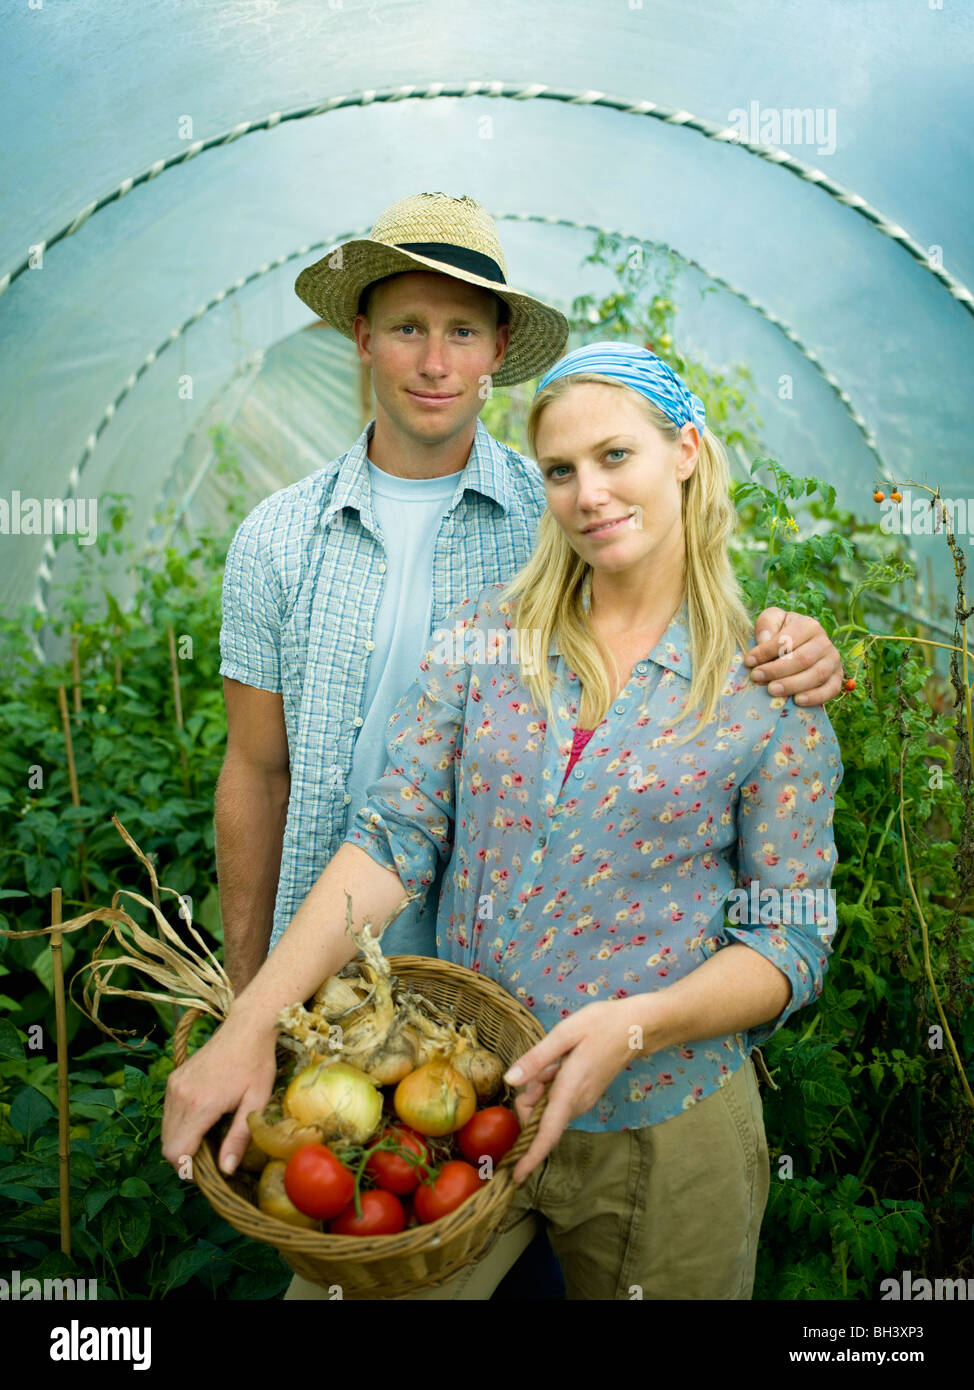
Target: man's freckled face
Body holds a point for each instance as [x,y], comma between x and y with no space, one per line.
[432,347]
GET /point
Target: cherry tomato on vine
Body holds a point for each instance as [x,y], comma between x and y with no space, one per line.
[490,1133]
[394,1173]
[382,1215]
[456,1182]
[317,1183]
[850,684]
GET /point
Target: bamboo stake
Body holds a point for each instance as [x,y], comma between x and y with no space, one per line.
[76,669]
[73,775]
[63,1108]
[177,699]
[118,659]
[69,746]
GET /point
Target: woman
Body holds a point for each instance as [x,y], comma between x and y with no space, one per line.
[598,803]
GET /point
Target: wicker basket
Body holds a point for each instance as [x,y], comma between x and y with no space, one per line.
[388,1267]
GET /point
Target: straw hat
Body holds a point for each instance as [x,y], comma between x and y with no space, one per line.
[450,236]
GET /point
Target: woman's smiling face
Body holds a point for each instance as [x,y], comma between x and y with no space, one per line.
[602,460]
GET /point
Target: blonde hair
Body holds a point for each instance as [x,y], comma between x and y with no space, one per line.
[549,586]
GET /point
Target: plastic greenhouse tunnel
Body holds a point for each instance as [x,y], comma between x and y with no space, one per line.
[486,662]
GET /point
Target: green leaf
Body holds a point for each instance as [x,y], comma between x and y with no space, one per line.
[94,1201]
[136,1082]
[11,1046]
[874,750]
[187,1263]
[99,1098]
[45,1217]
[134,1225]
[822,1087]
[16,1193]
[43,963]
[135,1187]
[30,1110]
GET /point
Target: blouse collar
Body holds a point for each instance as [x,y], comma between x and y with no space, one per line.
[672,651]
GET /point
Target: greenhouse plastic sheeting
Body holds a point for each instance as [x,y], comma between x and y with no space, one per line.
[612,114]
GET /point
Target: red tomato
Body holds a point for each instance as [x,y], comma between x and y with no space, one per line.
[394,1173]
[490,1133]
[456,1182]
[317,1183]
[382,1215]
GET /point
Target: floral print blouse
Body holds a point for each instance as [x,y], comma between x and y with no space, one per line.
[614,879]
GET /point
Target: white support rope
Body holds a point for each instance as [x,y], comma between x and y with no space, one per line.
[530,92]
[44,572]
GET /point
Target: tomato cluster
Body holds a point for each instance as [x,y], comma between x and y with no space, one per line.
[408,1184]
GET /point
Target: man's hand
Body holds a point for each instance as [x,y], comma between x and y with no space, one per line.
[580,1057]
[233,1073]
[795,657]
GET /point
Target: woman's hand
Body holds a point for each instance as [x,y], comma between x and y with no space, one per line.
[233,1073]
[579,1058]
[794,652]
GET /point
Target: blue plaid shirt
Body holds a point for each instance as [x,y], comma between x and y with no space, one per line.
[302,586]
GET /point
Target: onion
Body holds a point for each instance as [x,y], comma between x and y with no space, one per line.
[255,1158]
[274,1201]
[338,1099]
[435,1099]
[483,1068]
[278,1134]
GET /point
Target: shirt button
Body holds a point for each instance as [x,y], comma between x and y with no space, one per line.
[541,840]
[579,772]
[381,567]
[620,709]
[370,646]
[357,722]
[347,798]
[512,912]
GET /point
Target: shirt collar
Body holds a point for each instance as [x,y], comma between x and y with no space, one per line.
[485,472]
[672,651]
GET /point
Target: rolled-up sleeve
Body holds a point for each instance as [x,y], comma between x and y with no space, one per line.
[784,905]
[253,606]
[407,822]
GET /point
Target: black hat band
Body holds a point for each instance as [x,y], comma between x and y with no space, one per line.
[461,257]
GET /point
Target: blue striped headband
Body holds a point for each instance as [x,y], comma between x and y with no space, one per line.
[636,367]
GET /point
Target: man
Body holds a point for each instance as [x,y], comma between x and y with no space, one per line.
[334,585]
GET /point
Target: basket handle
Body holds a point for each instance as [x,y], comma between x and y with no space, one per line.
[180,1036]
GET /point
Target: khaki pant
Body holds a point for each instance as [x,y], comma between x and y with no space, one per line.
[670,1212]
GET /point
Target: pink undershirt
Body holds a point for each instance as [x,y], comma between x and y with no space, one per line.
[582,737]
